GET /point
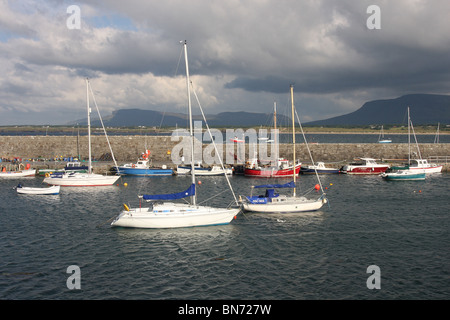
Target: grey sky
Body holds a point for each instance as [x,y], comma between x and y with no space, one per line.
[243,55]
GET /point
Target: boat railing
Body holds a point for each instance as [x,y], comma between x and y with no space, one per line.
[439,159]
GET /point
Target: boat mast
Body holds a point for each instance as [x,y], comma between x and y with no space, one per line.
[293,133]
[193,197]
[275,126]
[409,139]
[436,138]
[89,125]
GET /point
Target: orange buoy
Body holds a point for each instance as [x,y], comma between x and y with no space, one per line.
[317,187]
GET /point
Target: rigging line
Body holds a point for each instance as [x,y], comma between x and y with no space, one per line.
[212,197]
[179,60]
[103,126]
[176,72]
[215,147]
[415,138]
[309,151]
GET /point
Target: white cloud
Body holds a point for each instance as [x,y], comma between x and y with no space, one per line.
[243,55]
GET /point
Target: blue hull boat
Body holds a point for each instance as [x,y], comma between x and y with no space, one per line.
[145,172]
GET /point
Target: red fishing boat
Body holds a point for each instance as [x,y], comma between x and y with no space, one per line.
[365,166]
[281,170]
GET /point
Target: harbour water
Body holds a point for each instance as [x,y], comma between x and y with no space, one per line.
[401,227]
[284,137]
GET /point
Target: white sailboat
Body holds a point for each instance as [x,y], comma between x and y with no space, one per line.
[200,170]
[407,172]
[168,214]
[382,139]
[272,202]
[82,179]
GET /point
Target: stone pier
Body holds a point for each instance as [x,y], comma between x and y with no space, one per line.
[128,149]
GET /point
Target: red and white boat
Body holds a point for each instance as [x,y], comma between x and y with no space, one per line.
[365,166]
[422,165]
[281,170]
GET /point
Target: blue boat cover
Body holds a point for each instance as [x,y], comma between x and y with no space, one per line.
[286,185]
[171,196]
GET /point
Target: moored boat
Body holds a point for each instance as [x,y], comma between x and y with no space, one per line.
[364,166]
[419,165]
[272,202]
[402,173]
[52,190]
[143,167]
[214,170]
[282,169]
[382,139]
[320,168]
[75,166]
[162,213]
[83,179]
[17,172]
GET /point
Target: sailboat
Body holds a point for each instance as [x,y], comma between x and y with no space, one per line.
[405,172]
[82,179]
[272,202]
[280,169]
[164,214]
[382,139]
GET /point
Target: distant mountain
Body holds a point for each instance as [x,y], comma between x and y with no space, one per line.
[424,109]
[151,118]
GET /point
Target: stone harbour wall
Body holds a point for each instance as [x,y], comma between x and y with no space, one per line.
[128,149]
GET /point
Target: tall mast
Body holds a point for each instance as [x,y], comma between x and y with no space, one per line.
[275,122]
[409,139]
[89,125]
[191,130]
[293,133]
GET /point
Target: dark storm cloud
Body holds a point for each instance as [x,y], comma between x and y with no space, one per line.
[242,54]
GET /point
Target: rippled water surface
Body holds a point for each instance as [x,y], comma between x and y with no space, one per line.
[402,227]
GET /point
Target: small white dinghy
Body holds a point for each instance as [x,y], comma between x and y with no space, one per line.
[28,190]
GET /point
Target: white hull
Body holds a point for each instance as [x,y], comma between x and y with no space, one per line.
[18,174]
[199,171]
[287,205]
[432,169]
[81,180]
[174,215]
[36,191]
